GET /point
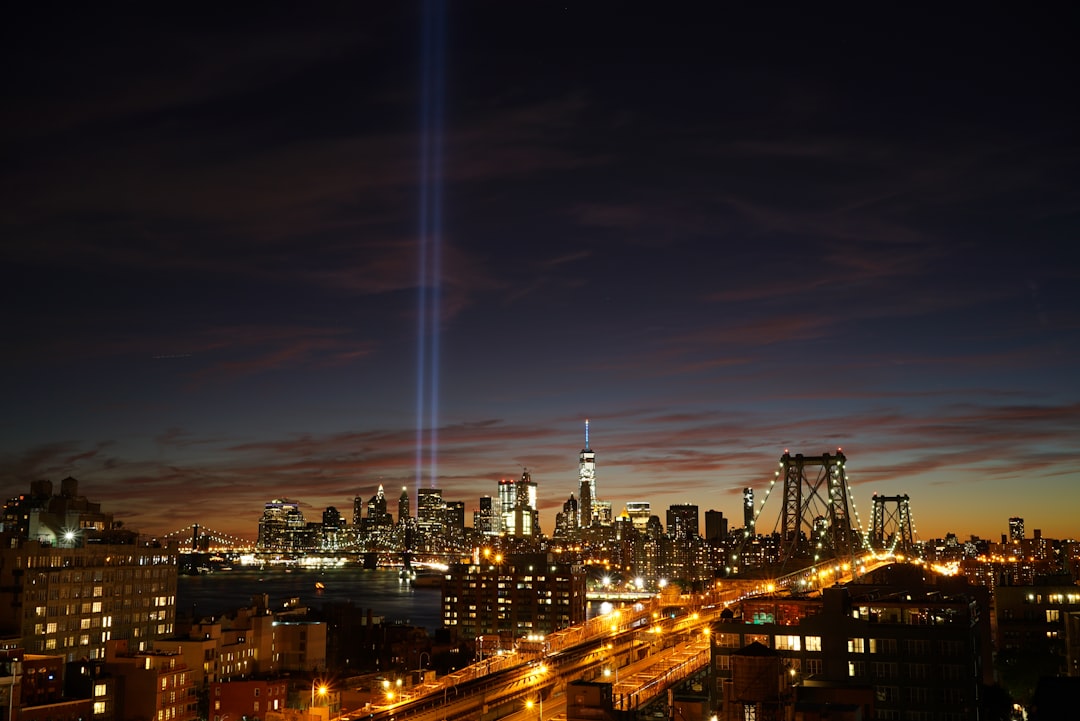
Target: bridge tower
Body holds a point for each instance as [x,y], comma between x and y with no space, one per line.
[816,518]
[890,525]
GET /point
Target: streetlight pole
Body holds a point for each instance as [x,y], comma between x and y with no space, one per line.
[420,662]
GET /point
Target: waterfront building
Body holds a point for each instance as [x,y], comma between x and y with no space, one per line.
[512,596]
[283,529]
[430,511]
[486,518]
[921,648]
[333,527]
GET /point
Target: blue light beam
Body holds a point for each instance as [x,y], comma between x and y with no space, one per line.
[429,286]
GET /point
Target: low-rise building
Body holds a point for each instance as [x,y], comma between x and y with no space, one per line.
[253,698]
[151,684]
[250,642]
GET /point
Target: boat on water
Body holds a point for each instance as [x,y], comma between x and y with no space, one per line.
[427,580]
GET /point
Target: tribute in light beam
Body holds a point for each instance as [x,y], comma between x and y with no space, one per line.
[429,243]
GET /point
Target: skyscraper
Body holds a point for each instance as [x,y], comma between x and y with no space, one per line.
[748,510]
[639,513]
[566,519]
[332,524]
[454,515]
[1016,529]
[430,509]
[403,506]
[682,521]
[377,514]
[517,501]
[358,510]
[283,528]
[715,526]
[587,483]
[486,519]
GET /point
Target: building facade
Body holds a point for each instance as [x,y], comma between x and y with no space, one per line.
[513,596]
[923,650]
[248,699]
[71,601]
[283,529]
[151,685]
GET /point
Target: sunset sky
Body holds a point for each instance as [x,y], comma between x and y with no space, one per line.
[717,236]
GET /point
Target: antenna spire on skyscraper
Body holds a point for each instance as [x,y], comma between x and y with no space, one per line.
[586,434]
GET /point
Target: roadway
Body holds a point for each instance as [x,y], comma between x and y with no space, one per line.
[642,650]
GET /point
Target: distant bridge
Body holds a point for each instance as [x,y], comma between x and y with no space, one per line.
[196,538]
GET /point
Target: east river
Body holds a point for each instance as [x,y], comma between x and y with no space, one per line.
[378,590]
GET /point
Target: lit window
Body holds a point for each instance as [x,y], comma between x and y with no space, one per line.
[788,643]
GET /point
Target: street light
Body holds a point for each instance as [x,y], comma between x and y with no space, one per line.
[322,690]
[387,690]
[391,690]
[540,703]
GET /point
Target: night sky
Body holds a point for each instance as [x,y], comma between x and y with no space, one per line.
[717,236]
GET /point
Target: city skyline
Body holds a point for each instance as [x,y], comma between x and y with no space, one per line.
[717,236]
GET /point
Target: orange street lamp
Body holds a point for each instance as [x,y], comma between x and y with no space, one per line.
[317,687]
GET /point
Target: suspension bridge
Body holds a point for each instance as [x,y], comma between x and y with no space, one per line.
[818,528]
[195,537]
